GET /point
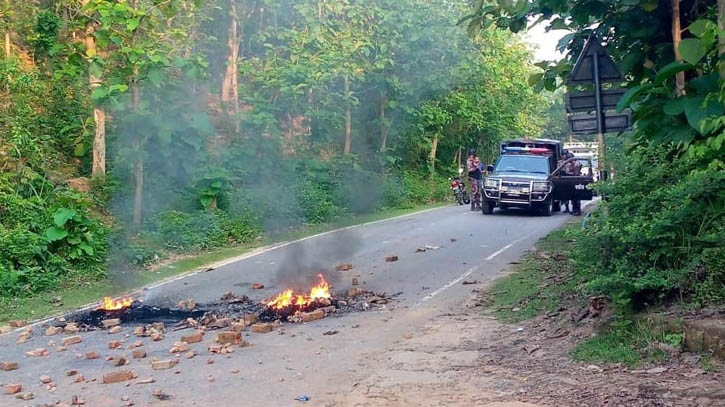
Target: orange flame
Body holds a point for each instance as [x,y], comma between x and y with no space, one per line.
[288,297]
[113,305]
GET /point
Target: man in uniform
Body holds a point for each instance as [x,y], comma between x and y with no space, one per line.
[574,168]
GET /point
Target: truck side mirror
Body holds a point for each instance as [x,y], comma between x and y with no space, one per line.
[489,168]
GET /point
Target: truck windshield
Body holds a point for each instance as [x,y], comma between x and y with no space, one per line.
[523,163]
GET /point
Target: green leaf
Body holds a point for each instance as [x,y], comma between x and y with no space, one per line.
[80,150]
[86,248]
[535,78]
[696,110]
[692,50]
[671,70]
[205,200]
[98,93]
[62,215]
[673,107]
[54,233]
[631,95]
[132,23]
[699,27]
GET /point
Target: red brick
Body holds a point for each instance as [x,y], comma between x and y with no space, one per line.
[239,327]
[53,330]
[257,286]
[18,323]
[108,323]
[120,376]
[179,347]
[391,259]
[114,345]
[343,267]
[138,353]
[354,281]
[12,388]
[115,330]
[8,366]
[38,352]
[119,360]
[45,379]
[262,327]
[92,355]
[72,328]
[229,337]
[70,340]
[23,337]
[196,337]
[5,329]
[312,316]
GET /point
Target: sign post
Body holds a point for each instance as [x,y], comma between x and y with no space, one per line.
[594,67]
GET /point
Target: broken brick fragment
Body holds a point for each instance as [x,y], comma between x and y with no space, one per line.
[196,337]
[257,286]
[72,328]
[53,330]
[38,352]
[119,360]
[343,267]
[190,303]
[18,323]
[138,353]
[354,281]
[13,388]
[114,345]
[179,347]
[5,329]
[70,340]
[115,330]
[229,337]
[108,323]
[8,366]
[23,337]
[262,327]
[239,327]
[163,364]
[391,259]
[119,376]
[25,396]
[312,316]
[45,379]
[92,355]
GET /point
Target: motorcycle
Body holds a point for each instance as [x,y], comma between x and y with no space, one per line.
[459,189]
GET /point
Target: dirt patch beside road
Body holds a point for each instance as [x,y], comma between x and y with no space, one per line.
[468,358]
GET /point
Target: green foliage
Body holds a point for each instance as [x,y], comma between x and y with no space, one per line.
[659,236]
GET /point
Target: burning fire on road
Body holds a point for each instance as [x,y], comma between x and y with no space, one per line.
[109,304]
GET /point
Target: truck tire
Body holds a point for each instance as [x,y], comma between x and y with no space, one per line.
[556,207]
[547,208]
[487,207]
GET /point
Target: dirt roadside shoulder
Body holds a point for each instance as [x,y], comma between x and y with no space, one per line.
[469,357]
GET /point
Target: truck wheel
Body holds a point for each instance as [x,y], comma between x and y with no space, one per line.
[556,207]
[546,209]
[487,207]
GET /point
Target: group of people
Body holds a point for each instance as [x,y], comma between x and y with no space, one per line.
[477,169]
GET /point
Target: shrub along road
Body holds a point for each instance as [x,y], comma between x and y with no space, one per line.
[277,368]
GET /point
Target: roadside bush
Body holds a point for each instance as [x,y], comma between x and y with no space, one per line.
[660,235]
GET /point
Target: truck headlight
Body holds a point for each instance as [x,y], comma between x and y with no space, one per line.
[490,183]
[541,187]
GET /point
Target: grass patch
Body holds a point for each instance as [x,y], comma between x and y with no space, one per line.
[80,294]
[536,285]
[632,343]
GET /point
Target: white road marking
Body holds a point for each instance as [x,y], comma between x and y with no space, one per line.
[227,262]
[470,271]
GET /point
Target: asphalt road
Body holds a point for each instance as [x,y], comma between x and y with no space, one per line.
[278,368]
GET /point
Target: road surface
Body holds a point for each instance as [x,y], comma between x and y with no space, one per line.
[277,368]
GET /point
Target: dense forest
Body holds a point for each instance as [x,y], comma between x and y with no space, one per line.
[131,130]
[660,234]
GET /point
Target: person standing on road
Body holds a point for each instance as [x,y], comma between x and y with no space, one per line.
[574,168]
[474,178]
[560,164]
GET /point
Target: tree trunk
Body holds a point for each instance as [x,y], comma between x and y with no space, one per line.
[721,36]
[384,127]
[7,50]
[98,168]
[139,167]
[432,158]
[348,117]
[230,82]
[676,38]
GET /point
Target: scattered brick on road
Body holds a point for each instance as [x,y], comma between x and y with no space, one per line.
[70,340]
[71,328]
[5,329]
[25,396]
[139,353]
[239,327]
[262,327]
[179,347]
[312,316]
[354,281]
[114,345]
[257,286]
[391,259]
[231,337]
[163,364]
[108,323]
[45,379]
[38,352]
[8,366]
[18,323]
[53,330]
[92,355]
[13,388]
[23,337]
[120,376]
[196,337]
[343,267]
[115,330]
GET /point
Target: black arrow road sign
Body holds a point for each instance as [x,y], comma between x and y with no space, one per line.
[587,123]
[587,102]
[583,72]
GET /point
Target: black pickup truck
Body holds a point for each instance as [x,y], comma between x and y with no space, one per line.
[526,175]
